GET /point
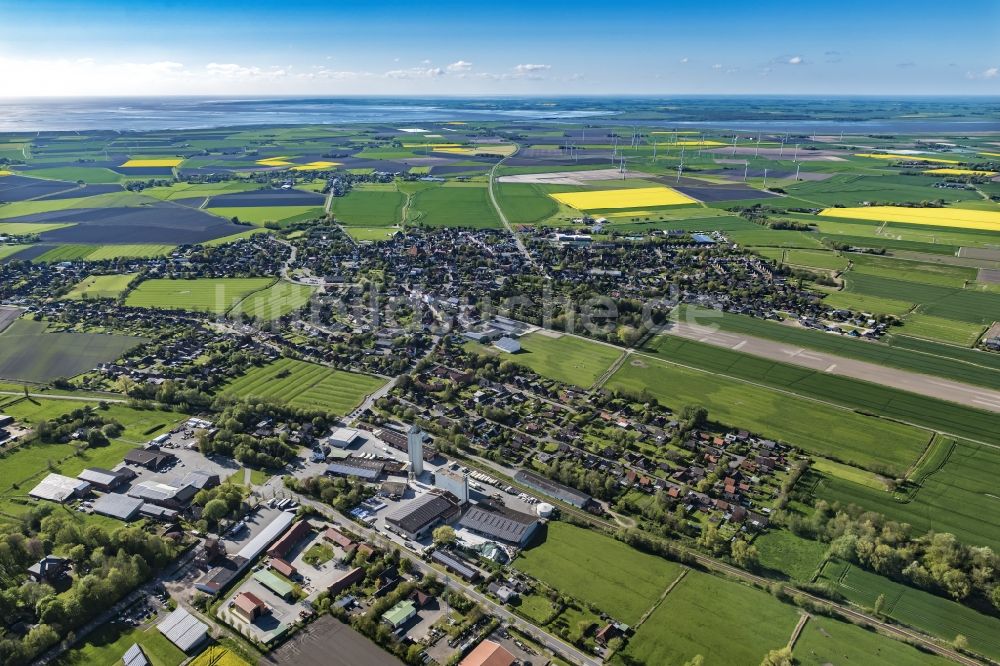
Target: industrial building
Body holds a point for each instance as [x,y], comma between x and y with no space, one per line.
[418,517]
[59,488]
[509,345]
[553,489]
[290,539]
[248,606]
[494,521]
[106,480]
[151,459]
[454,481]
[455,565]
[489,653]
[415,450]
[362,468]
[118,506]
[344,438]
[134,656]
[183,630]
[162,494]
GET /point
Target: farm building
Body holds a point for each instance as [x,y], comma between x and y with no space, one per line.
[151,459]
[283,567]
[497,522]
[162,494]
[362,468]
[117,506]
[266,537]
[355,575]
[553,489]
[134,656]
[183,629]
[339,538]
[344,438]
[399,614]
[488,653]
[155,512]
[200,479]
[59,488]
[106,480]
[418,517]
[248,606]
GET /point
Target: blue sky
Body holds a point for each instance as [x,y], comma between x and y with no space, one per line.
[53,47]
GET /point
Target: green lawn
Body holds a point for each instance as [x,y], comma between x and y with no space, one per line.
[791,555]
[371,233]
[101,286]
[816,259]
[65,253]
[29,353]
[815,427]
[215,295]
[276,301]
[922,610]
[261,215]
[596,569]
[458,205]
[565,358]
[109,642]
[129,251]
[950,331]
[828,642]
[11,250]
[723,621]
[305,385]
[369,208]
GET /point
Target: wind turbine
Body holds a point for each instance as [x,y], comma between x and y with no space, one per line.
[746,169]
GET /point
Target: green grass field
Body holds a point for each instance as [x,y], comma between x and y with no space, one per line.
[954,493]
[791,555]
[113,199]
[964,365]
[215,295]
[26,228]
[815,427]
[101,286]
[596,569]
[130,251]
[565,358]
[828,642]
[922,610]
[261,215]
[65,253]
[276,301]
[109,642]
[963,305]
[458,205]
[869,398]
[305,385]
[11,250]
[28,353]
[525,203]
[816,259]
[89,175]
[723,621]
[853,189]
[369,208]
[949,331]
[370,233]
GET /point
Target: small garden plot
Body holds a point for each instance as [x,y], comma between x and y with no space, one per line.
[304,384]
[215,295]
[101,286]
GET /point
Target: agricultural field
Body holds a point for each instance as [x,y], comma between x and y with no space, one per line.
[525,203]
[700,610]
[29,353]
[853,189]
[864,397]
[11,250]
[825,642]
[102,286]
[598,570]
[458,205]
[815,259]
[922,610]
[958,218]
[638,197]
[565,358]
[302,384]
[369,208]
[276,301]
[951,491]
[261,215]
[107,645]
[215,295]
[133,251]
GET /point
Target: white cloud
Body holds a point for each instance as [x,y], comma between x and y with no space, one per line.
[415,73]
[988,73]
[684,60]
[460,66]
[795,60]
[717,65]
[531,68]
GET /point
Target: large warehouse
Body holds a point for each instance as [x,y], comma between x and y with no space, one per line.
[415,519]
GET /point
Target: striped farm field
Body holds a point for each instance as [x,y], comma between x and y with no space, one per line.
[135,250]
[635,197]
[302,384]
[960,218]
[276,301]
[101,286]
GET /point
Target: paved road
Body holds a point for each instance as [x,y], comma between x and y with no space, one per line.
[933,387]
[503,218]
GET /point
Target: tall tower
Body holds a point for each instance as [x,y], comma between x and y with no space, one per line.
[415,449]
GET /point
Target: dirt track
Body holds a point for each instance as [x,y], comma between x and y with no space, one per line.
[934,387]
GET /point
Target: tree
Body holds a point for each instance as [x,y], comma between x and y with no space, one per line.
[782,657]
[744,554]
[879,604]
[960,643]
[444,535]
[215,510]
[696,660]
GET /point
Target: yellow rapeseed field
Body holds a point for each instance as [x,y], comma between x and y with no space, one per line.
[991,154]
[432,145]
[6,173]
[960,172]
[959,218]
[501,149]
[913,158]
[274,161]
[635,197]
[154,162]
[315,166]
[696,144]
